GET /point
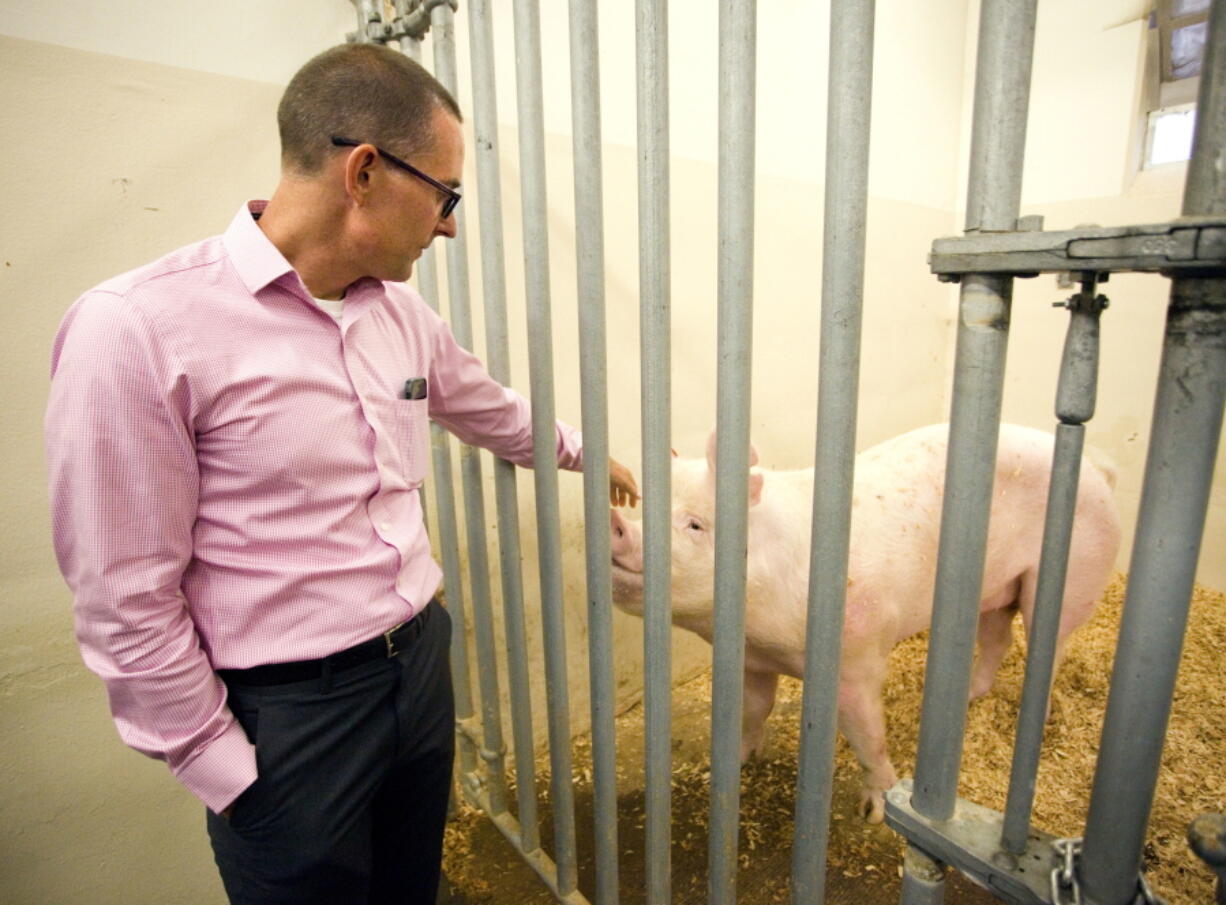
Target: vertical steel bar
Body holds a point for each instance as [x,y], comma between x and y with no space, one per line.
[923,881]
[1006,44]
[1041,646]
[442,28]
[1186,430]
[737,57]
[849,97]
[529,91]
[655,317]
[444,504]
[497,346]
[589,249]
[1075,399]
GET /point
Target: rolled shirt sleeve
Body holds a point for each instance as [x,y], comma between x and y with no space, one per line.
[481,412]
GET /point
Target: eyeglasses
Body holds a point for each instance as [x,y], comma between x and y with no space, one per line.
[450,195]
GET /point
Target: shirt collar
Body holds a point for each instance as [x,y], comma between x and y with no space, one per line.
[257,261]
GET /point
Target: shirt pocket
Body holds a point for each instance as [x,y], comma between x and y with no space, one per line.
[412,434]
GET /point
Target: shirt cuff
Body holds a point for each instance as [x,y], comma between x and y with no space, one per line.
[220,773]
[570,447]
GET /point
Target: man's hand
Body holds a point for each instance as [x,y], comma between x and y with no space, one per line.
[623,491]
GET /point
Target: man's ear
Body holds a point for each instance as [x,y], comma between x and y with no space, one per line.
[359,172]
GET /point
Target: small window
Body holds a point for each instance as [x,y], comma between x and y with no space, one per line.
[1178,30]
[1169,137]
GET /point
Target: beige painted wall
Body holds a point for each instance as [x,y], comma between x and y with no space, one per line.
[112,160]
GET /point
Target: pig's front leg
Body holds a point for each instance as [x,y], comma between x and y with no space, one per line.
[862,721]
[756,707]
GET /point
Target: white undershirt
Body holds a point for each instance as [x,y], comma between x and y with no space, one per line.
[335,307]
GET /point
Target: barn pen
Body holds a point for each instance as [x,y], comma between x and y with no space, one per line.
[1002,851]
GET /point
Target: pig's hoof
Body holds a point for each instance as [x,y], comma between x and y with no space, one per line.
[872,806]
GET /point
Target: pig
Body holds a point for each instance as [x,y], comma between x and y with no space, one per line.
[896,507]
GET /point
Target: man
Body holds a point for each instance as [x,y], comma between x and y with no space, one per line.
[236,435]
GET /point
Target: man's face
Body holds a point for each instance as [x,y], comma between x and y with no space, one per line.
[410,213]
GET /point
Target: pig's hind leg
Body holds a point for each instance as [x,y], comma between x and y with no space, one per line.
[758,701]
[996,630]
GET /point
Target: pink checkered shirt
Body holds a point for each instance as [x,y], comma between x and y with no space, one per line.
[234,480]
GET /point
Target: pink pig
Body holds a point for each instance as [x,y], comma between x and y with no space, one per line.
[895,527]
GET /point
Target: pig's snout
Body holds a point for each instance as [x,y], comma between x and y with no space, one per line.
[625,543]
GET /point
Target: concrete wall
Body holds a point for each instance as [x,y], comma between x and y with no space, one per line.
[135,127]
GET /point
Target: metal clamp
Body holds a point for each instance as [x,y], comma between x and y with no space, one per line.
[1187,244]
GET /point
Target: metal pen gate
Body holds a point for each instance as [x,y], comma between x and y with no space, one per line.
[1017,863]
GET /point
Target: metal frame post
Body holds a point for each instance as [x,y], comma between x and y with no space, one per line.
[493,750]
[1184,438]
[593,370]
[1006,44]
[1075,400]
[651,29]
[737,98]
[529,94]
[849,94]
[497,343]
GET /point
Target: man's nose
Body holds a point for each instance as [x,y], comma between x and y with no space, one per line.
[446,226]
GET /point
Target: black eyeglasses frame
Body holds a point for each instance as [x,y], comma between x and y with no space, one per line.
[450,195]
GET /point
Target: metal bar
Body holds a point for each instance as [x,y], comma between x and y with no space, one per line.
[1183,446]
[589,248]
[497,346]
[655,316]
[540,862]
[847,148]
[737,48]
[923,879]
[1041,645]
[444,503]
[1006,44]
[1179,469]
[1075,399]
[493,751]
[970,843]
[1189,243]
[544,452]
[443,489]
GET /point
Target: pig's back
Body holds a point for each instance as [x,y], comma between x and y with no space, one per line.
[896,517]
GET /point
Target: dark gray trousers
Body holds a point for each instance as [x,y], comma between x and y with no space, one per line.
[354,780]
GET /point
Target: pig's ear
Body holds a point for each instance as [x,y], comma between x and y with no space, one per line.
[712,445]
[755,488]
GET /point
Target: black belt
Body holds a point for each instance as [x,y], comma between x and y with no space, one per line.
[381,647]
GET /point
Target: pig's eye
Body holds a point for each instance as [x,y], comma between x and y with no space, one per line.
[695,526]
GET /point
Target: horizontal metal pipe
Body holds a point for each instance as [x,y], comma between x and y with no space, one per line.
[541,863]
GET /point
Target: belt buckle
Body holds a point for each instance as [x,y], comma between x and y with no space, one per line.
[387,638]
